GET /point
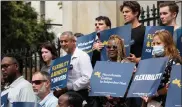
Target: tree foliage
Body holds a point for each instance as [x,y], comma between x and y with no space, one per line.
[20,27]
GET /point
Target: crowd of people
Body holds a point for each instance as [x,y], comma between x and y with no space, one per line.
[81,66]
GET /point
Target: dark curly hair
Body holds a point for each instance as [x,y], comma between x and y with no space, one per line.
[133,5]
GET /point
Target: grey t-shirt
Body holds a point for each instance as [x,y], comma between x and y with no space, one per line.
[45,68]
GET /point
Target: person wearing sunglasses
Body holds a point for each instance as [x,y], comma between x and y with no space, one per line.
[19,89]
[115,49]
[41,82]
[116,53]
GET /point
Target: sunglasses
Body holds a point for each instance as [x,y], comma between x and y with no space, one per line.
[113,47]
[5,66]
[38,82]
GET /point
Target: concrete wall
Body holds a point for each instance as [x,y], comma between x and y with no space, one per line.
[79,16]
[52,12]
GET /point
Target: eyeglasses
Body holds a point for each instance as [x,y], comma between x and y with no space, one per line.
[38,82]
[5,66]
[113,47]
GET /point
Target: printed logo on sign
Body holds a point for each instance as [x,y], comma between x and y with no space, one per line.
[177,82]
[105,42]
[98,74]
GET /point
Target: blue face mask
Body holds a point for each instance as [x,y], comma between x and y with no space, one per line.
[158,51]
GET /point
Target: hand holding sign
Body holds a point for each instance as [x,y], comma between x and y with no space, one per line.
[149,74]
[98,46]
[60,91]
[146,99]
[133,58]
[59,68]
[110,76]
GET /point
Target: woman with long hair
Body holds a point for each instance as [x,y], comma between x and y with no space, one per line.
[163,46]
[116,53]
[116,50]
[48,53]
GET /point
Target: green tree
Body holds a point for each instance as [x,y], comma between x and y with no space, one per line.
[20,27]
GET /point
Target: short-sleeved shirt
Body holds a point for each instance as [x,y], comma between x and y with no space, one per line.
[19,91]
[49,101]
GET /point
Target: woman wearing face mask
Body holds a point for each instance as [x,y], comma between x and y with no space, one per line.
[163,46]
[49,53]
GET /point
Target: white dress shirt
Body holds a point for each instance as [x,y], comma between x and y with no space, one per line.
[79,75]
[19,91]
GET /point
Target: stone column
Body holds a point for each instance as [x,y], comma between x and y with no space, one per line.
[79,16]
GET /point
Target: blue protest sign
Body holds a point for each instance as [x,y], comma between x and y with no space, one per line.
[147,78]
[123,31]
[175,88]
[4,100]
[110,78]
[59,70]
[85,43]
[25,104]
[149,33]
[179,39]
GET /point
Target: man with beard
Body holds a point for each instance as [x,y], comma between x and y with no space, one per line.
[19,89]
[41,82]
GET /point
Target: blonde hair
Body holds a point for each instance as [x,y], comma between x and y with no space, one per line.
[170,48]
[120,47]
